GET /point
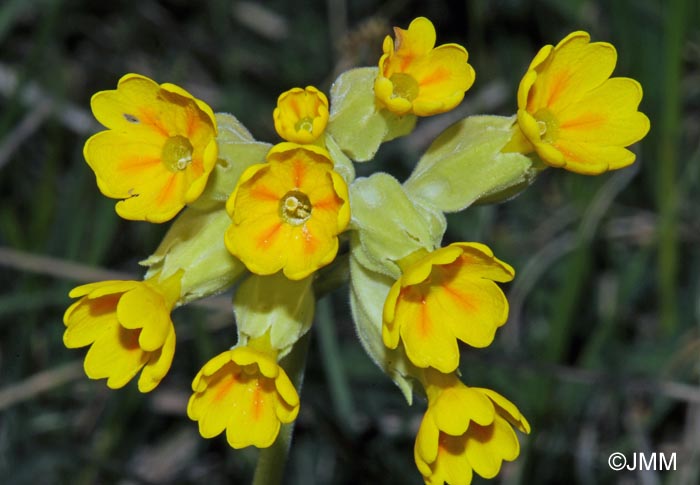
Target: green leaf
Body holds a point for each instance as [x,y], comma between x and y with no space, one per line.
[356,123]
[465,165]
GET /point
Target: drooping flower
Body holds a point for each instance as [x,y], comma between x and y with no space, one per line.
[417,77]
[128,328]
[443,296]
[465,430]
[244,392]
[301,115]
[573,114]
[158,150]
[287,213]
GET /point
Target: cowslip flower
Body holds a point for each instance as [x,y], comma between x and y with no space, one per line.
[417,77]
[128,328]
[573,114]
[158,150]
[465,430]
[287,213]
[443,296]
[244,392]
[301,115]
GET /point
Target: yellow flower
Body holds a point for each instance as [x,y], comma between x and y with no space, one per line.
[128,328]
[465,430]
[417,77]
[158,151]
[301,115]
[443,296]
[287,213]
[573,114]
[244,392]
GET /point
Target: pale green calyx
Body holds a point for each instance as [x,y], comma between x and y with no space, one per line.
[368,291]
[356,123]
[274,304]
[194,244]
[465,165]
[238,150]
[390,224]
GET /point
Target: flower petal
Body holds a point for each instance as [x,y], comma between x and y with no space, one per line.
[606,115]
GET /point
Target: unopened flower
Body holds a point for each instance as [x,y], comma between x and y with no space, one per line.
[301,115]
[417,77]
[287,213]
[244,392]
[465,430]
[128,328]
[573,114]
[443,296]
[158,150]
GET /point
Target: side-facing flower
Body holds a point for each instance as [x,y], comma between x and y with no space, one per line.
[301,115]
[417,77]
[443,296]
[287,213]
[465,430]
[573,114]
[128,328]
[245,392]
[158,150]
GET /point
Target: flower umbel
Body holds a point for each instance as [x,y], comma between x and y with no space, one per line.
[128,328]
[443,296]
[158,150]
[301,115]
[465,430]
[287,213]
[573,114]
[417,77]
[244,392]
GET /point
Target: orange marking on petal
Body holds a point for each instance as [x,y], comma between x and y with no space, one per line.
[166,192]
[263,193]
[438,76]
[558,85]
[295,106]
[423,321]
[331,202]
[460,298]
[406,61]
[589,120]
[310,242]
[298,172]
[137,164]
[258,400]
[151,120]
[266,238]
[224,388]
[192,123]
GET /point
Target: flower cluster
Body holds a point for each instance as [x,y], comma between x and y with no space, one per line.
[266,218]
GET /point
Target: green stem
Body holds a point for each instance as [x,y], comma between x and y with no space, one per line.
[271,461]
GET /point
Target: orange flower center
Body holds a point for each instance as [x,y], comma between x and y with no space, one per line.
[547,124]
[177,153]
[405,86]
[295,208]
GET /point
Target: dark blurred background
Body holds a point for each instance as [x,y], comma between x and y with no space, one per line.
[602,349]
